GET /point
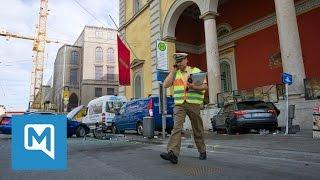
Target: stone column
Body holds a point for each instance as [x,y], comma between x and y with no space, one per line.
[212,53]
[291,53]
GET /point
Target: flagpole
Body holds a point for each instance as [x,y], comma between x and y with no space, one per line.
[123,37]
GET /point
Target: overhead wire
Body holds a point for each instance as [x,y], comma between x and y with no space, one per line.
[91,14]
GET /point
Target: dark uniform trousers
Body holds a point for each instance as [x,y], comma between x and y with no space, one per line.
[180,112]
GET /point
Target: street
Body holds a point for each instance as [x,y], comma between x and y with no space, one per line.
[229,157]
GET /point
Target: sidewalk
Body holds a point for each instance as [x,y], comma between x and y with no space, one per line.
[270,145]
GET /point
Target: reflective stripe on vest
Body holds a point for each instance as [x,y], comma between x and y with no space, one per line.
[180,95]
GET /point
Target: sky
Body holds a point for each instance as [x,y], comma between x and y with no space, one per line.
[66,21]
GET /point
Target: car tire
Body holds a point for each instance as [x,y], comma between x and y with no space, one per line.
[168,131]
[139,128]
[274,129]
[80,131]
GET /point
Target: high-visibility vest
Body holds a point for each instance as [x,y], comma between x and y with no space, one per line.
[180,86]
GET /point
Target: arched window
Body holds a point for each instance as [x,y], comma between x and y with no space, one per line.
[99,54]
[225,70]
[137,86]
[223,29]
[74,57]
[73,102]
[110,55]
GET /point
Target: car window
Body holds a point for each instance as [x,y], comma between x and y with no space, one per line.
[254,105]
[112,106]
[97,108]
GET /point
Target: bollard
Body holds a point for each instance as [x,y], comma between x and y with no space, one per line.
[148,127]
[291,116]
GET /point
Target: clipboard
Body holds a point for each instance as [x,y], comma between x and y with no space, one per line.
[198,78]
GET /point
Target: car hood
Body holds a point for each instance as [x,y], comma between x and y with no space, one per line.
[74,112]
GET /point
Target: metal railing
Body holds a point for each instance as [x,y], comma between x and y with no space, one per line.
[270,93]
[312,88]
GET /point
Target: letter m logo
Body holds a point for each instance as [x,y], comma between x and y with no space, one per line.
[39,137]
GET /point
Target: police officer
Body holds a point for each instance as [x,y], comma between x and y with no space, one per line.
[187,99]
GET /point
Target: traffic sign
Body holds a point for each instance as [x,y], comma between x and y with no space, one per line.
[66,94]
[162,55]
[286,78]
[161,75]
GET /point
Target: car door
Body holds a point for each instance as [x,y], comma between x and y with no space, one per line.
[135,113]
[228,113]
[224,115]
[218,118]
[120,119]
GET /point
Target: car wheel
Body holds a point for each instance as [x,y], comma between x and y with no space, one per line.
[80,131]
[139,128]
[168,131]
[274,129]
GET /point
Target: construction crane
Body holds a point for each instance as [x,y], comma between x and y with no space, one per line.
[38,58]
[39,43]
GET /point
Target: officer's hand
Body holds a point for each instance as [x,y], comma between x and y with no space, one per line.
[191,85]
[175,68]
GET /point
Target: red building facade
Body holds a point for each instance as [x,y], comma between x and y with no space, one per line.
[255,52]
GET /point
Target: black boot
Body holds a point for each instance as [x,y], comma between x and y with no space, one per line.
[169,157]
[203,156]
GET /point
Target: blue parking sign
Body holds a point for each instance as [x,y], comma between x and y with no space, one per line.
[161,75]
[286,78]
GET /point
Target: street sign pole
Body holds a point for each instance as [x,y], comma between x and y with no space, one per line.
[161,76]
[163,108]
[287,80]
[287,109]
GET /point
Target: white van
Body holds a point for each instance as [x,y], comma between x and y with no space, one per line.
[101,112]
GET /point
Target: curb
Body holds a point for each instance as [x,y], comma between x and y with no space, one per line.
[148,141]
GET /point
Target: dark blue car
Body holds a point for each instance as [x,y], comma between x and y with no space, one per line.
[5,125]
[130,116]
[76,127]
[246,115]
[73,126]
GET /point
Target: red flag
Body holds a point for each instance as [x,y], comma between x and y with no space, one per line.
[124,63]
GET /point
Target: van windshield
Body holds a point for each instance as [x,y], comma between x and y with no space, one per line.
[112,106]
